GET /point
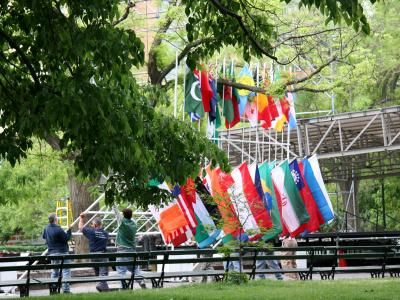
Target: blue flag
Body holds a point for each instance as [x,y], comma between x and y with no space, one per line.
[316,191]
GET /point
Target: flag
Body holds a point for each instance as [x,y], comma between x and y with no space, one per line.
[292,113]
[206,231]
[193,102]
[272,205]
[173,225]
[194,117]
[279,123]
[248,204]
[208,201]
[234,108]
[220,183]
[245,77]
[272,108]
[313,176]
[206,90]
[294,213]
[261,206]
[285,107]
[263,111]
[214,101]
[314,212]
[251,113]
[315,217]
[187,208]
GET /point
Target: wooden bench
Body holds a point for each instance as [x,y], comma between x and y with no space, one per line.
[315,256]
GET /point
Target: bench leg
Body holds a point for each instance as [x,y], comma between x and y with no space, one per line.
[23,292]
[327,275]
[305,275]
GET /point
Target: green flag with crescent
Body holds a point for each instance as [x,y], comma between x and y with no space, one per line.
[193,103]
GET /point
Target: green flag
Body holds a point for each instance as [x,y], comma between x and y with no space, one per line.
[268,188]
[193,103]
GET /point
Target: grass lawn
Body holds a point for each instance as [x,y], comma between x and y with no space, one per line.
[261,289]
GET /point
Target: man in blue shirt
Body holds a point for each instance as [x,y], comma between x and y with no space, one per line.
[98,239]
[57,244]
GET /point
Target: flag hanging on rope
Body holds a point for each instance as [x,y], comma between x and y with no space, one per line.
[232,104]
[315,216]
[193,102]
[272,108]
[259,205]
[294,213]
[272,204]
[220,183]
[251,113]
[292,112]
[248,204]
[245,77]
[206,231]
[173,225]
[206,90]
[312,174]
[263,112]
[279,123]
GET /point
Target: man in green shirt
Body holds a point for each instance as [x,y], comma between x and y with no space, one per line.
[126,242]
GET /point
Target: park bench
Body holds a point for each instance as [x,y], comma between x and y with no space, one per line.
[379,260]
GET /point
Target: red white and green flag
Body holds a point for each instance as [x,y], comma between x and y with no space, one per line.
[294,213]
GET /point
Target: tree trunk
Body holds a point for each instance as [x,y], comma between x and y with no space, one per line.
[81,199]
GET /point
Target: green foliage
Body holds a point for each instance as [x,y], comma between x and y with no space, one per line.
[237,278]
[29,190]
[249,25]
[67,79]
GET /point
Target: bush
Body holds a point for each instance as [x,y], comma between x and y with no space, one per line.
[235,277]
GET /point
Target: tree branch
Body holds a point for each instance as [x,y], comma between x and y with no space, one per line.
[318,70]
[126,13]
[311,90]
[182,55]
[239,19]
[24,59]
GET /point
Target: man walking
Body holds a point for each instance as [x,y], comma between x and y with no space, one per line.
[57,244]
[98,239]
[126,242]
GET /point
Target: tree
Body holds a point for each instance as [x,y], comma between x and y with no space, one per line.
[28,190]
[66,79]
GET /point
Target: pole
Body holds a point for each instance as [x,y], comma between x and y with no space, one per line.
[176,84]
[383,203]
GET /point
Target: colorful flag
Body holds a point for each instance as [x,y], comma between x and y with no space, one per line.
[251,113]
[294,213]
[242,207]
[315,217]
[234,108]
[173,225]
[272,205]
[193,102]
[312,174]
[214,101]
[292,112]
[206,90]
[194,117]
[220,183]
[263,110]
[279,123]
[248,203]
[206,232]
[245,77]
[273,111]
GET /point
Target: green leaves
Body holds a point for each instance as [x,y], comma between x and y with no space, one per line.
[87,100]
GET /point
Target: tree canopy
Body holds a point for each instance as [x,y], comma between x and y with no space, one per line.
[66,78]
